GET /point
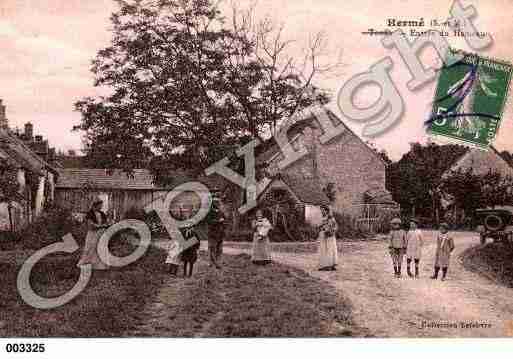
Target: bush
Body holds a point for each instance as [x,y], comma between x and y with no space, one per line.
[8,241]
[48,228]
[347,227]
[305,233]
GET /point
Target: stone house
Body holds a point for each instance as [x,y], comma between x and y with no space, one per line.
[288,201]
[36,179]
[349,174]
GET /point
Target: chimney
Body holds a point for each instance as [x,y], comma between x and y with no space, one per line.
[29,131]
[4,122]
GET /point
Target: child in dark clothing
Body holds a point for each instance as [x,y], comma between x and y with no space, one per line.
[189,256]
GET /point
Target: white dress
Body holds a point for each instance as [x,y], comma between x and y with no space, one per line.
[261,243]
[328,252]
[173,253]
[415,243]
[90,254]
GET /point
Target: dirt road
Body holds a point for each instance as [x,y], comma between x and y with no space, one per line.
[391,307]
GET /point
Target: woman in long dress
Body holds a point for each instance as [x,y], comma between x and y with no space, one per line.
[328,253]
[261,253]
[96,224]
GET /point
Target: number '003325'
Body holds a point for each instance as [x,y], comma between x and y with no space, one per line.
[25,348]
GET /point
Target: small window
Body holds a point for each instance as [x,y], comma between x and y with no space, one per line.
[279,195]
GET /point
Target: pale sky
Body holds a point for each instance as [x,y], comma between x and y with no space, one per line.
[46,47]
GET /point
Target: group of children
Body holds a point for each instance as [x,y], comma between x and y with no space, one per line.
[411,243]
[401,243]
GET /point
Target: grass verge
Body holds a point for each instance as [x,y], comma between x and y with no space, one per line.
[493,261]
[109,306]
[245,300]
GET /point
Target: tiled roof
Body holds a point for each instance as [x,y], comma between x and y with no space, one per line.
[378,196]
[308,190]
[269,148]
[139,179]
[481,162]
[21,154]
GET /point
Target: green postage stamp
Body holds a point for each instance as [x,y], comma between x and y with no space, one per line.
[469,100]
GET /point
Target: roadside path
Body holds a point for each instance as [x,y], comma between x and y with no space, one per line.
[391,307]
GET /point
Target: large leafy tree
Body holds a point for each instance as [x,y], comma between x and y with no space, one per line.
[471,191]
[413,179]
[185,84]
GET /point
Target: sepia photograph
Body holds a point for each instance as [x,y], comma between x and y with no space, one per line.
[337,171]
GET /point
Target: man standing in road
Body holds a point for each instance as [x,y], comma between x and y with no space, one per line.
[215,222]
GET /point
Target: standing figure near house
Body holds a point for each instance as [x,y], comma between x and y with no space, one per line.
[215,221]
[261,253]
[328,252]
[414,247]
[189,255]
[444,248]
[96,224]
[397,245]
[173,257]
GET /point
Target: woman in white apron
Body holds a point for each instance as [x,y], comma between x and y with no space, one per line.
[328,252]
[261,253]
[96,224]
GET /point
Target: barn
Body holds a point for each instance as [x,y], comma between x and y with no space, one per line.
[121,192]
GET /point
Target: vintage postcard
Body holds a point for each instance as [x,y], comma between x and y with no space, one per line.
[254,169]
